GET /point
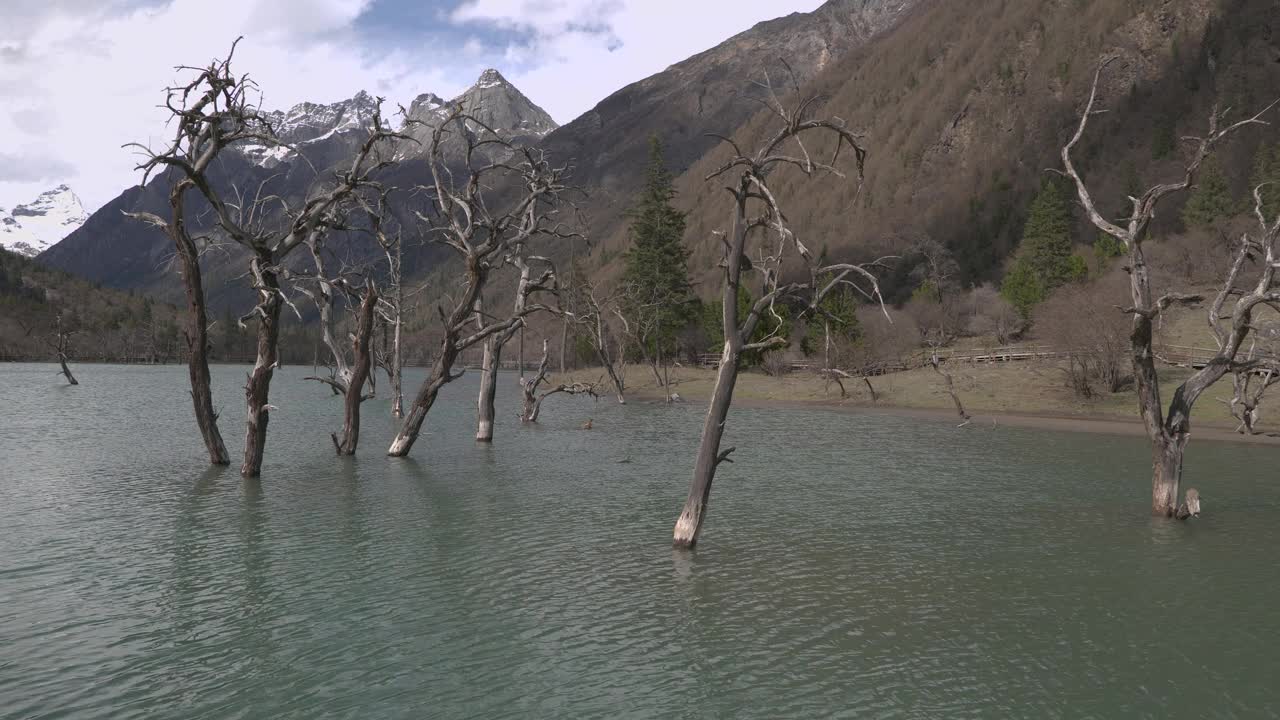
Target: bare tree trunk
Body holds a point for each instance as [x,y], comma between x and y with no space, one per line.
[441,374]
[360,372]
[529,389]
[951,389]
[197,332]
[564,340]
[60,347]
[258,387]
[1166,475]
[826,352]
[485,412]
[397,359]
[62,360]
[709,456]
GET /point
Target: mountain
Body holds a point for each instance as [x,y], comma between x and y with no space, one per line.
[712,91]
[120,252]
[492,100]
[965,107]
[322,132]
[33,228]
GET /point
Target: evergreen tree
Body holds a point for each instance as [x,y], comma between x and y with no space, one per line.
[657,274]
[1266,172]
[1211,199]
[1046,238]
[1105,248]
[1022,288]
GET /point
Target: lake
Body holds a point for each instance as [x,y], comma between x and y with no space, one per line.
[851,565]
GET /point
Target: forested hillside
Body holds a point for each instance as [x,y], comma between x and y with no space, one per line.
[966,106]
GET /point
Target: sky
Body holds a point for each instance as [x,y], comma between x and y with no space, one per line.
[80,78]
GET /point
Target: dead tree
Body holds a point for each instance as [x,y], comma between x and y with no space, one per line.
[493,345]
[61,345]
[589,309]
[1249,385]
[348,374]
[486,233]
[391,308]
[759,228]
[532,405]
[360,372]
[213,111]
[936,362]
[1169,432]
[640,310]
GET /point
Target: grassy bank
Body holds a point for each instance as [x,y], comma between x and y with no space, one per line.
[1032,393]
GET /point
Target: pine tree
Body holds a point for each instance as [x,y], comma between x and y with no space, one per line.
[1211,199]
[835,321]
[657,272]
[1046,238]
[1022,289]
[1266,172]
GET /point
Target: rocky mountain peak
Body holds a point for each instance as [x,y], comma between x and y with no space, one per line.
[310,123]
[494,101]
[36,226]
[490,78]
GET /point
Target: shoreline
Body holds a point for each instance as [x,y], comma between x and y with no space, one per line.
[1097,423]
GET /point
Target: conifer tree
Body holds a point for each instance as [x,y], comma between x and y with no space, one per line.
[1046,238]
[1266,172]
[657,294]
[1211,199]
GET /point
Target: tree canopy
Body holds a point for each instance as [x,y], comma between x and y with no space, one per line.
[656,280]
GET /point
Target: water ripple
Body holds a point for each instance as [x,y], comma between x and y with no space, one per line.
[852,567]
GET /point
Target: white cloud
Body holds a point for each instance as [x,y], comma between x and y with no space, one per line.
[97,80]
[80,78]
[604,45]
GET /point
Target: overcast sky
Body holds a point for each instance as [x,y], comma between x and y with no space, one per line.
[79,78]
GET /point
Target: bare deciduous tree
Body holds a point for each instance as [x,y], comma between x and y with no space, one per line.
[348,374]
[361,370]
[759,228]
[61,344]
[493,345]
[262,223]
[589,309]
[1249,384]
[532,406]
[486,233]
[936,362]
[391,307]
[1169,432]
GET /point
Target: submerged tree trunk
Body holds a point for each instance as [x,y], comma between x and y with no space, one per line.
[197,333]
[1166,475]
[258,387]
[66,371]
[689,524]
[360,372]
[397,359]
[485,412]
[441,374]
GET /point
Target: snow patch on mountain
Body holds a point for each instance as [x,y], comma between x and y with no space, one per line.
[35,227]
[307,123]
[492,99]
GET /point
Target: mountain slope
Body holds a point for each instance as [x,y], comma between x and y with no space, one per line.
[966,105]
[709,92]
[33,228]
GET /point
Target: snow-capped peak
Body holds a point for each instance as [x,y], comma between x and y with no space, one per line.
[490,78]
[308,122]
[32,228]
